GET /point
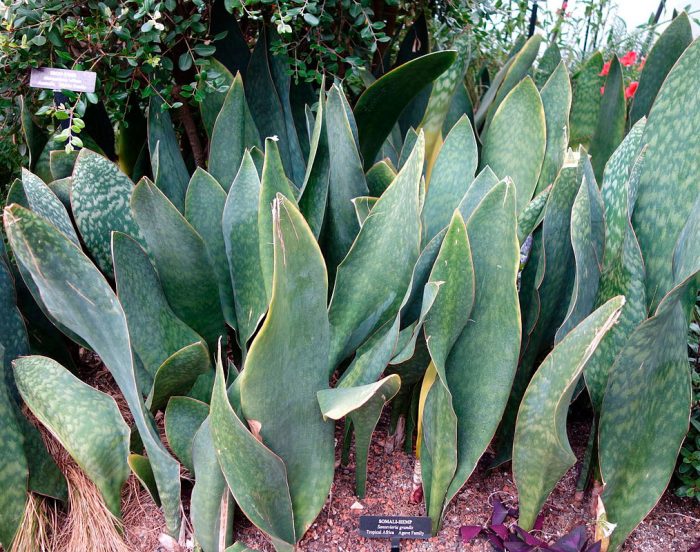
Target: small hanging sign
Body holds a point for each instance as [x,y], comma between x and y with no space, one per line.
[63,79]
[395,528]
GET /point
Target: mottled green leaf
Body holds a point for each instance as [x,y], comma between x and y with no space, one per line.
[533,214]
[62,189]
[178,373]
[587,241]
[518,156]
[518,70]
[547,286]
[475,376]
[452,174]
[346,182]
[482,185]
[156,333]
[362,405]
[61,163]
[363,206]
[441,95]
[287,365]
[100,201]
[665,52]
[461,105]
[556,101]
[213,100]
[379,177]
[85,421]
[585,102]
[548,63]
[211,506]
[33,136]
[274,181]
[372,280]
[233,133]
[44,202]
[77,296]
[204,209]
[183,417]
[610,129]
[618,198]
[267,91]
[443,326]
[240,230]
[380,104]
[170,173]
[184,266]
[668,184]
[256,476]
[541,450]
[141,467]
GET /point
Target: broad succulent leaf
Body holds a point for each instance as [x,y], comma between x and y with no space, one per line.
[610,129]
[665,52]
[273,182]
[213,100]
[77,295]
[452,174]
[374,277]
[34,137]
[517,71]
[85,421]
[587,242]
[474,375]
[184,266]
[346,182]
[169,170]
[204,209]
[443,326]
[233,133]
[297,316]
[519,158]
[638,452]
[178,374]
[183,418]
[362,405]
[478,189]
[44,202]
[242,243]
[380,105]
[314,194]
[668,184]
[267,92]
[363,206]
[211,506]
[546,290]
[155,330]
[541,450]
[379,177]
[547,64]
[585,102]
[100,198]
[533,214]
[556,101]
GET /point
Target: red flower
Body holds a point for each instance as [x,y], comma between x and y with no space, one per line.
[630,58]
[606,69]
[631,89]
[602,90]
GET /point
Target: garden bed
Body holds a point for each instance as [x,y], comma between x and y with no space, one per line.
[674,525]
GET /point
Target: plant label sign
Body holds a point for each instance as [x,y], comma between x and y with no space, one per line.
[63,79]
[395,528]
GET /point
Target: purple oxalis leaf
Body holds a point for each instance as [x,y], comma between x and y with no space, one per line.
[469,532]
[501,530]
[496,542]
[528,538]
[596,547]
[500,512]
[571,542]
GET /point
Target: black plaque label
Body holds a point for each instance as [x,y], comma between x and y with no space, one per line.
[402,527]
[63,79]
